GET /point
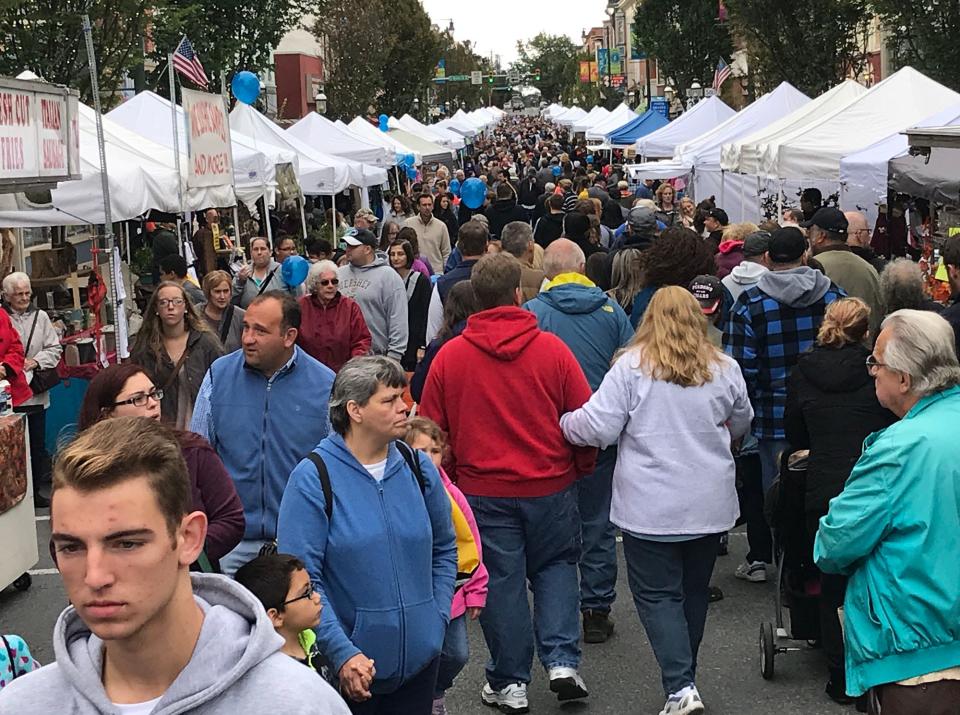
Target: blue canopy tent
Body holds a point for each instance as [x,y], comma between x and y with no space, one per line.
[627,135]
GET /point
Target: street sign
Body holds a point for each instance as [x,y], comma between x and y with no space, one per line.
[661,106]
[513,77]
[709,92]
[458,78]
[476,77]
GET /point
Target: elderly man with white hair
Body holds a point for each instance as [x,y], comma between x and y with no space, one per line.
[594,327]
[894,529]
[42,350]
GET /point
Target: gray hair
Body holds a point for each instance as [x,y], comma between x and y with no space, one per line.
[563,256]
[515,237]
[358,381]
[901,285]
[316,270]
[13,280]
[549,187]
[922,345]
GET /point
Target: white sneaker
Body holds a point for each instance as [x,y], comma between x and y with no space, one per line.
[753,571]
[567,684]
[512,699]
[685,702]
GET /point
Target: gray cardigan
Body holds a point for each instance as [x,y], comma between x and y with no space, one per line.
[244,292]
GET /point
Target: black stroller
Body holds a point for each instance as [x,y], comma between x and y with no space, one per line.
[797,580]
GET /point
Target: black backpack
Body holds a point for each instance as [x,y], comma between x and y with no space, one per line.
[409,456]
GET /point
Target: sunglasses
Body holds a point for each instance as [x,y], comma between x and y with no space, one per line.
[329,281]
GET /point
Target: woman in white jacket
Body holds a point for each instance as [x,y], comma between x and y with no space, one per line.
[673,403]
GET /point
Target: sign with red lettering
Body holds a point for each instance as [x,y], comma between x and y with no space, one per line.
[210,159]
[38,136]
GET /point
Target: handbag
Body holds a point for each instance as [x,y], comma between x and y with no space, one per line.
[44,378]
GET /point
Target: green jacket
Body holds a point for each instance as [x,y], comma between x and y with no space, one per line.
[895,530]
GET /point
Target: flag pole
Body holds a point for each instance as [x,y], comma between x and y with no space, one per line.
[233,175]
[172,74]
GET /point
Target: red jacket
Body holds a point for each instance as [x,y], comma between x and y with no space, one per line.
[499,390]
[11,357]
[332,333]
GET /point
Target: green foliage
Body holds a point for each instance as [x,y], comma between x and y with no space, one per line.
[413,52]
[46,37]
[462,60]
[924,34]
[812,44]
[556,58]
[686,38]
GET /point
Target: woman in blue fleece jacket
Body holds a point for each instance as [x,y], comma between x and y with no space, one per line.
[383,553]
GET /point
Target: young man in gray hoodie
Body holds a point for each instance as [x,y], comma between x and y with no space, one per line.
[369,279]
[143,636]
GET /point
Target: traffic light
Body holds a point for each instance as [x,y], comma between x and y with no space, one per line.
[536,75]
[490,79]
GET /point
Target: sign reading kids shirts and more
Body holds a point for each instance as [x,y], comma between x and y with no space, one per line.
[209,154]
[39,133]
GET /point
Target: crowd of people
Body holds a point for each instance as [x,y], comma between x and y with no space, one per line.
[461,407]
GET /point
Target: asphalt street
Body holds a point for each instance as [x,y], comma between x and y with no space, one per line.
[621,674]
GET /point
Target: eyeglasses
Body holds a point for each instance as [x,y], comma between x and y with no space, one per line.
[306,594]
[329,281]
[140,399]
[873,364]
[176,302]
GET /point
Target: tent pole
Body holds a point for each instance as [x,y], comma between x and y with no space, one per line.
[723,187]
[779,216]
[266,216]
[333,211]
[303,215]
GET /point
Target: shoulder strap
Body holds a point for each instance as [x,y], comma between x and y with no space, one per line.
[324,476]
[410,457]
[33,327]
[227,322]
[266,282]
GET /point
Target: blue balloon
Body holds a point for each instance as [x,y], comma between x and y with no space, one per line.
[473,192]
[384,121]
[455,187]
[409,160]
[411,173]
[556,170]
[246,87]
[589,158]
[294,270]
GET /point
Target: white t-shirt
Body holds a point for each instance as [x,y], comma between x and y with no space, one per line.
[376,470]
[144,708]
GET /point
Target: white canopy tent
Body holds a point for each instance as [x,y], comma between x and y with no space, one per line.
[553,110]
[436,135]
[934,176]
[362,128]
[701,118]
[148,115]
[613,121]
[746,155]
[570,117]
[426,149]
[480,119]
[141,174]
[461,126]
[318,131]
[864,175]
[594,116]
[895,104]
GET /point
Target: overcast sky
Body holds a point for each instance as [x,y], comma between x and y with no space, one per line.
[496,25]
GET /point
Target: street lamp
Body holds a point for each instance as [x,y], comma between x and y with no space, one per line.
[320,99]
[632,97]
[416,107]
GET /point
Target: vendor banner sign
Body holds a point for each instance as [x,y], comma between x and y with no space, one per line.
[208,140]
[39,133]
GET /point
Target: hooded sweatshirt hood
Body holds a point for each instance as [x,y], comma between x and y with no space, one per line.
[502,332]
[728,246]
[747,273]
[836,370]
[797,287]
[236,637]
[572,293]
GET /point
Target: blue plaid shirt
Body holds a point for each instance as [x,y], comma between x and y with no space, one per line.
[766,337]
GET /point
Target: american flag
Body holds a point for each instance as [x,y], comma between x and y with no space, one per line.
[720,74]
[187,63]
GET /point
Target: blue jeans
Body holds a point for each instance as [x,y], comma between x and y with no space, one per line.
[247,550]
[670,584]
[770,450]
[535,540]
[453,656]
[598,561]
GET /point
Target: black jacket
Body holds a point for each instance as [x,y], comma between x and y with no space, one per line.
[529,191]
[548,229]
[831,408]
[952,315]
[502,212]
[871,257]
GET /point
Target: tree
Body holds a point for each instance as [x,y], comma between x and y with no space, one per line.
[813,44]
[46,37]
[686,39]
[923,34]
[461,59]
[411,57]
[556,58]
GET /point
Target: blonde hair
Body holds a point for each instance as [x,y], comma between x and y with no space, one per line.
[846,321]
[739,231]
[672,339]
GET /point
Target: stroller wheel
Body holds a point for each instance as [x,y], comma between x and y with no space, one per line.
[768,649]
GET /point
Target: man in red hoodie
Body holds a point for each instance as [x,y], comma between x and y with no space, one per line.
[499,390]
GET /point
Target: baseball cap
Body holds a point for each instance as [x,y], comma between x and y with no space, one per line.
[828,218]
[642,219]
[719,214]
[756,243]
[708,290]
[787,245]
[360,237]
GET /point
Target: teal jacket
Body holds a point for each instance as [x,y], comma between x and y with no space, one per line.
[895,530]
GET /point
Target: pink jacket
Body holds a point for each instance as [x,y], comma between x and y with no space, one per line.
[474,592]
